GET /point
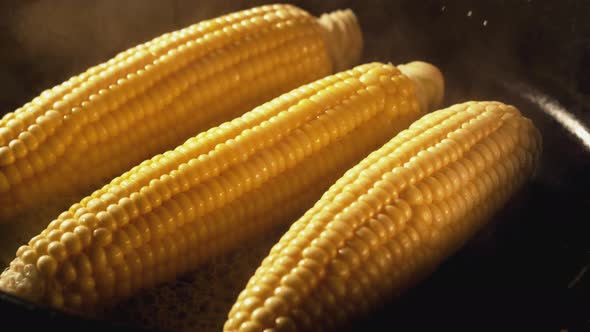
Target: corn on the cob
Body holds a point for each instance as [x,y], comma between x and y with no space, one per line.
[391,219]
[169,213]
[152,97]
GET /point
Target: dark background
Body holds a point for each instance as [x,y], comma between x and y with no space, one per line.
[526,270]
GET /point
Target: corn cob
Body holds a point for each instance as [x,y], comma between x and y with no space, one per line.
[391,219]
[154,96]
[171,212]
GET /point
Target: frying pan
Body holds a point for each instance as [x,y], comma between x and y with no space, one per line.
[528,270]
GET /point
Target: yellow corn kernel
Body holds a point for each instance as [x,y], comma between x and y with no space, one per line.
[225,185]
[390,220]
[150,98]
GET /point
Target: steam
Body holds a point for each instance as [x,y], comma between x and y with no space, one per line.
[47,41]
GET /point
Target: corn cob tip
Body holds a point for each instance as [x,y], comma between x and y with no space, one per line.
[343,37]
[23,280]
[429,82]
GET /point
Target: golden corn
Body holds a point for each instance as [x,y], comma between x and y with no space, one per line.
[232,182]
[154,96]
[391,219]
